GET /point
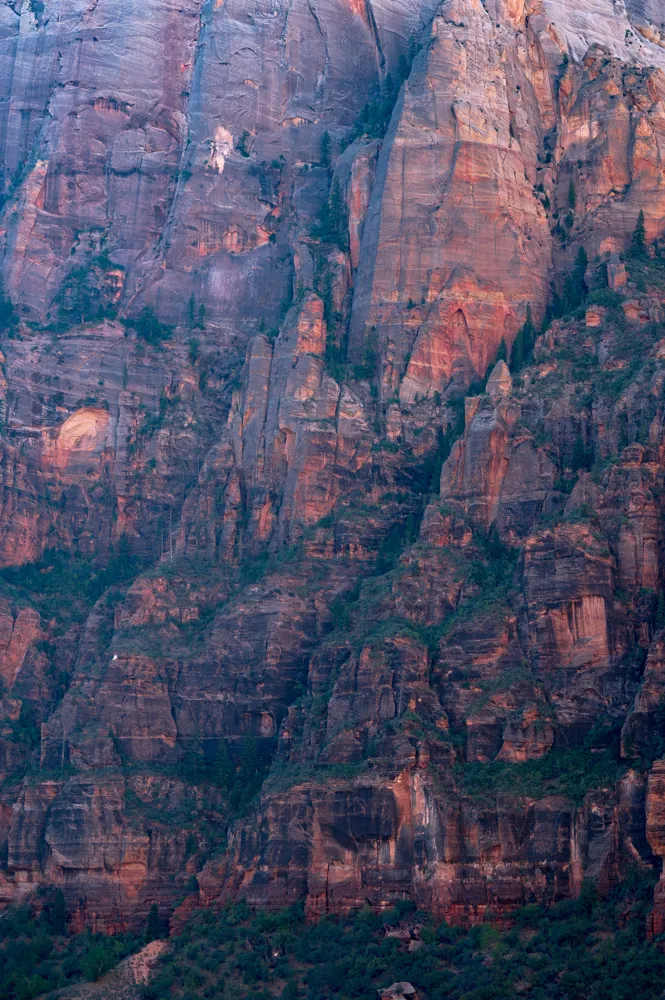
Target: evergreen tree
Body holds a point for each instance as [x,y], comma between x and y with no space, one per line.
[502,351]
[193,765]
[529,332]
[517,351]
[523,343]
[338,223]
[58,913]
[249,765]
[375,117]
[193,350]
[78,300]
[638,243]
[332,226]
[325,149]
[224,771]
[576,286]
[579,460]
[340,614]
[123,562]
[8,317]
[572,196]
[660,612]
[248,777]
[153,926]
[148,327]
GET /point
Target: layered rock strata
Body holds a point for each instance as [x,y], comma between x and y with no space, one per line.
[295,606]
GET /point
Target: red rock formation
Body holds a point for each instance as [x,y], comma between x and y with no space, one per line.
[405,629]
[441,256]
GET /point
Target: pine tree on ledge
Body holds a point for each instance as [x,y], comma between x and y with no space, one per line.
[638,243]
[660,613]
[153,927]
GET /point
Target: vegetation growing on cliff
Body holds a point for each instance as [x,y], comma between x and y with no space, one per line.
[587,947]
[148,327]
[65,586]
[8,315]
[38,955]
[332,224]
[374,119]
[88,293]
[571,772]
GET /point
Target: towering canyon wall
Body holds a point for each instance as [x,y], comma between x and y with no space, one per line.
[293,604]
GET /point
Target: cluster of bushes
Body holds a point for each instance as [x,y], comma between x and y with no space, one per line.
[630,343]
[37,955]
[148,327]
[490,567]
[239,774]
[575,292]
[563,771]
[64,586]
[152,420]
[374,119]
[426,479]
[86,295]
[588,947]
[360,615]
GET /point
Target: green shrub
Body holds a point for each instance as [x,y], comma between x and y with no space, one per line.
[64,586]
[571,772]
[153,928]
[8,315]
[148,327]
[374,119]
[332,226]
[587,947]
[37,957]
[638,242]
[324,159]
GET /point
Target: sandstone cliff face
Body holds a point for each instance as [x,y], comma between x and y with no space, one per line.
[445,258]
[127,140]
[294,441]
[295,630]
[489,132]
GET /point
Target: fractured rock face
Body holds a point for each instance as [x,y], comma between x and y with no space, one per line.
[500,382]
[495,474]
[133,142]
[327,587]
[293,435]
[466,268]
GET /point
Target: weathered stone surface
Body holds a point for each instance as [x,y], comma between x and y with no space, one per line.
[17,632]
[398,991]
[125,115]
[324,574]
[495,474]
[294,440]
[452,131]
